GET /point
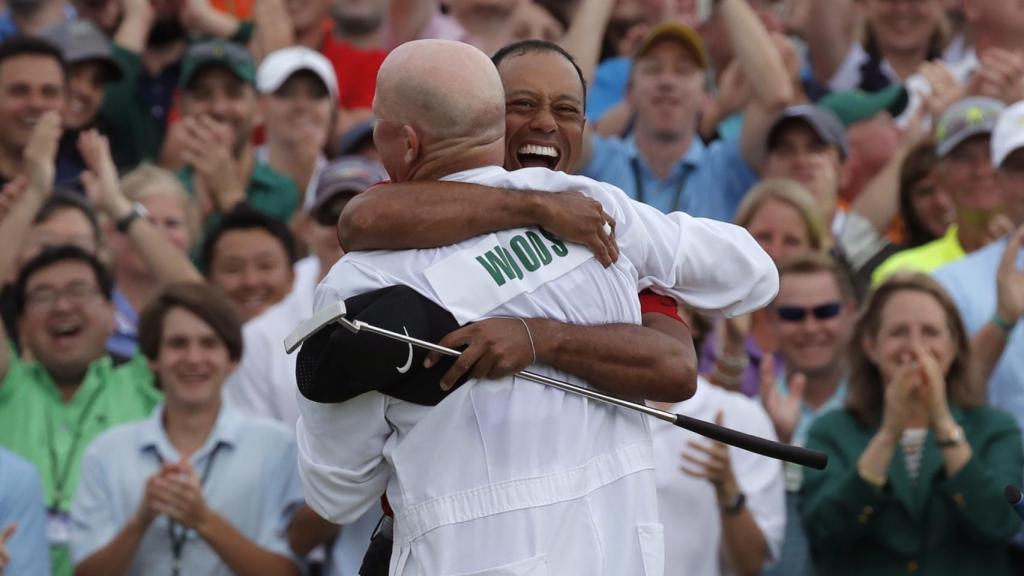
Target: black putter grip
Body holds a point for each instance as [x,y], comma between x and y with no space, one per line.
[779,451]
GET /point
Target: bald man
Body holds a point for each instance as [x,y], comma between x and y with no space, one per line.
[506,475]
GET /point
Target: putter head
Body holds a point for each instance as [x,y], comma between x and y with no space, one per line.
[310,326]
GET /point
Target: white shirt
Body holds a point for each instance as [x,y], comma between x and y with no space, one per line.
[264,382]
[510,473]
[687,505]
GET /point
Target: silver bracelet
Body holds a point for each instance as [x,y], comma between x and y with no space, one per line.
[530,336]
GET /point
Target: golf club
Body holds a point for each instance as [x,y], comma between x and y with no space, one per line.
[336,313]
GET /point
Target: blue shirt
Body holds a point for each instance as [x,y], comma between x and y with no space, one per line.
[125,340]
[9,29]
[252,482]
[971,282]
[707,182]
[609,86]
[21,502]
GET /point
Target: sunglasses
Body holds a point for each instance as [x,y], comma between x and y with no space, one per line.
[798,314]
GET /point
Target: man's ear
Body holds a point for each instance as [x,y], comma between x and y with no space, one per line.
[412,144]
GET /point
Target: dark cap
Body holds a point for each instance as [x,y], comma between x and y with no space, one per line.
[355,137]
[345,175]
[232,56]
[81,41]
[824,123]
[336,365]
[852,106]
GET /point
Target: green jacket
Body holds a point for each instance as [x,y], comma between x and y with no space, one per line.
[939,525]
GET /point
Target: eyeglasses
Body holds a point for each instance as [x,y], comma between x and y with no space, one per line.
[798,314]
[77,294]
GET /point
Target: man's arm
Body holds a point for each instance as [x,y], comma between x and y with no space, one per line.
[380,218]
[308,530]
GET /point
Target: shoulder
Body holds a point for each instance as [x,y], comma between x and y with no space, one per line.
[136,375]
[985,260]
[112,442]
[266,432]
[17,475]
[263,176]
[838,423]
[986,418]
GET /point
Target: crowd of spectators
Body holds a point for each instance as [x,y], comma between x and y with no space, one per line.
[174,177]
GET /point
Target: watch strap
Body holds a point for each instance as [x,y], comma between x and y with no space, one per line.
[736,506]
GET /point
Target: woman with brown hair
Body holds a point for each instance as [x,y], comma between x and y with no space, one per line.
[916,465]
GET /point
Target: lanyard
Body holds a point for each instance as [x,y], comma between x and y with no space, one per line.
[179,537]
[638,182]
[59,473]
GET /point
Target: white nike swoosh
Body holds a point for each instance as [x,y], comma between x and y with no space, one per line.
[408,363]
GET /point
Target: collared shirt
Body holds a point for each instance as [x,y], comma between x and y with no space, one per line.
[21,503]
[39,425]
[309,194]
[926,258]
[707,182]
[268,191]
[252,482]
[971,282]
[527,453]
[687,505]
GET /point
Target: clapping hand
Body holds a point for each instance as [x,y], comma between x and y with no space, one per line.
[784,410]
[712,464]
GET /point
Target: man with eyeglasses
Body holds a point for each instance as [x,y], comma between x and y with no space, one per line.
[812,319]
[963,140]
[51,407]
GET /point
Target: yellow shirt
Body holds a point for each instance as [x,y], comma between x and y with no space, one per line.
[926,258]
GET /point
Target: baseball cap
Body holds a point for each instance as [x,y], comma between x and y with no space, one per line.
[281,64]
[81,41]
[678,32]
[354,138]
[1008,135]
[852,106]
[968,117]
[345,175]
[336,364]
[824,123]
[232,56]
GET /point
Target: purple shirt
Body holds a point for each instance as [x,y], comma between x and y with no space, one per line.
[750,383]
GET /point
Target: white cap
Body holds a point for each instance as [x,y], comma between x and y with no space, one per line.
[279,65]
[1008,134]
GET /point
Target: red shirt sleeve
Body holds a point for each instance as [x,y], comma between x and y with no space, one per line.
[658,304]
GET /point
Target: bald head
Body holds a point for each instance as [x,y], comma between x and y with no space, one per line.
[446,90]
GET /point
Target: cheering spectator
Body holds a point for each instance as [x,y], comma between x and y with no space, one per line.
[23,548]
[965,167]
[196,486]
[91,68]
[32,82]
[991,310]
[249,256]
[812,319]
[664,163]
[896,38]
[219,112]
[916,467]
[297,93]
[783,218]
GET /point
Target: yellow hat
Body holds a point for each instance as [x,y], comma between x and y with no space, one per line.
[671,30]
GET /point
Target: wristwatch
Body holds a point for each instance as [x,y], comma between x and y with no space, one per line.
[954,437]
[736,506]
[125,222]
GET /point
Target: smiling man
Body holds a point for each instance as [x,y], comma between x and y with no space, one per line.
[52,407]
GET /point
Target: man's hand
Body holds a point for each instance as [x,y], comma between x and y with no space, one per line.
[207,149]
[495,348]
[200,16]
[147,510]
[100,180]
[579,219]
[713,465]
[179,494]
[785,410]
[41,152]
[999,76]
[5,555]
[1010,281]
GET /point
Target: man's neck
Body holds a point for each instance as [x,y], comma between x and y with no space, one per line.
[297,162]
[456,157]
[154,60]
[40,17]
[821,387]
[971,237]
[368,41]
[662,150]
[188,427]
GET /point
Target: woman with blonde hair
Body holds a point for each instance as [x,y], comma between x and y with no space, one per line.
[782,216]
[917,465]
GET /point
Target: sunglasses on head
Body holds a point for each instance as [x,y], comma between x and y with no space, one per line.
[798,314]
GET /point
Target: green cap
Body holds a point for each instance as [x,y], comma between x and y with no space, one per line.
[232,56]
[852,106]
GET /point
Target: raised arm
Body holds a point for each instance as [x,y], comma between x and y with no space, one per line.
[829,36]
[168,263]
[586,32]
[450,212]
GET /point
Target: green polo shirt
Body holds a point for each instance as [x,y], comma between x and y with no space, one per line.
[269,191]
[926,258]
[36,423]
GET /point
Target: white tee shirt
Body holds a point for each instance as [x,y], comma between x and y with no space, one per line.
[687,505]
[512,473]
